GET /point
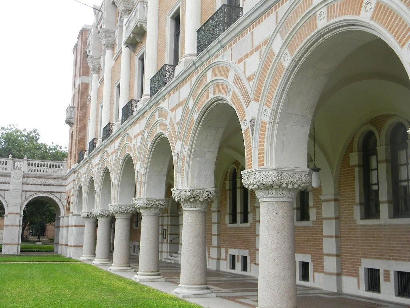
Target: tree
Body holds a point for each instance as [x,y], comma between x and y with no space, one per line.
[37,214]
[20,143]
[1,210]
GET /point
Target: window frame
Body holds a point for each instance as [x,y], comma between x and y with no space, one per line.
[239,197]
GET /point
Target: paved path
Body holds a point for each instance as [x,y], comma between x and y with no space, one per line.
[240,291]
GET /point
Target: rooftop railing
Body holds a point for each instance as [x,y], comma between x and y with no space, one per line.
[33,166]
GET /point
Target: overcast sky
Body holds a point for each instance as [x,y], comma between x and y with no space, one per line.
[37,39]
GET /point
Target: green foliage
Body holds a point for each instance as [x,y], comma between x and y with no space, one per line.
[39,258]
[36,248]
[20,143]
[1,210]
[37,214]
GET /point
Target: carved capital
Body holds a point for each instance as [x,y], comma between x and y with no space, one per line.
[148,206]
[87,215]
[279,184]
[94,64]
[107,38]
[194,198]
[125,6]
[122,209]
[101,213]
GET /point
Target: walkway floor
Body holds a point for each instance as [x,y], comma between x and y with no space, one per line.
[239,291]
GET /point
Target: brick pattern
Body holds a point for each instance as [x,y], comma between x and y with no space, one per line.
[343,8]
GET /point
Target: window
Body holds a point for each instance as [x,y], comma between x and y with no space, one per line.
[244,263]
[238,197]
[175,35]
[233,197]
[400,171]
[370,178]
[372,279]
[302,210]
[403,284]
[304,271]
[136,221]
[140,76]
[232,262]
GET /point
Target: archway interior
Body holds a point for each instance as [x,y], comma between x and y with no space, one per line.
[38,221]
[91,196]
[348,79]
[106,190]
[127,182]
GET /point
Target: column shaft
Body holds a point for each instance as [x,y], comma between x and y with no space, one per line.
[192,23]
[106,110]
[89,238]
[151,44]
[102,251]
[93,108]
[121,255]
[125,73]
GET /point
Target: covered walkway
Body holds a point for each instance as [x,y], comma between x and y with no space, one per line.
[233,290]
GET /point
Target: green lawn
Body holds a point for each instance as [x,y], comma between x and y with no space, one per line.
[34,248]
[73,285]
[45,258]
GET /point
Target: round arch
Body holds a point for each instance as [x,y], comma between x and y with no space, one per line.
[127,183]
[105,189]
[54,198]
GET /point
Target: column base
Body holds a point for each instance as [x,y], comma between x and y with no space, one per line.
[148,277]
[120,268]
[87,258]
[185,291]
[101,261]
[185,62]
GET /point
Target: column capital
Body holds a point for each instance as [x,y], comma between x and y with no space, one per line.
[120,209]
[150,206]
[278,183]
[98,213]
[193,198]
[125,6]
[107,38]
[94,64]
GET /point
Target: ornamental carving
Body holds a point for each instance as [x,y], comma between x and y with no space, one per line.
[122,208]
[94,64]
[101,213]
[194,198]
[87,215]
[125,6]
[107,38]
[149,206]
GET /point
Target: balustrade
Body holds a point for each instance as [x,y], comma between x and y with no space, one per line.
[107,131]
[128,110]
[161,78]
[92,145]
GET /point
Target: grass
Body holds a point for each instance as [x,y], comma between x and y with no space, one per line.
[45,258]
[34,248]
[74,285]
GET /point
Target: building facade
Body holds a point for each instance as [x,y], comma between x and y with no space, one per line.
[267,138]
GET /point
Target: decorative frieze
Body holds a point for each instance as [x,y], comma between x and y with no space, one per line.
[194,198]
[107,38]
[94,64]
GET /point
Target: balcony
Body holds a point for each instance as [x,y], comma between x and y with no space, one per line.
[136,24]
[217,24]
[161,78]
[69,115]
[128,110]
[92,145]
[107,131]
[81,155]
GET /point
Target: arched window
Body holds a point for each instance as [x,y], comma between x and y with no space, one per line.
[400,171]
[238,197]
[370,178]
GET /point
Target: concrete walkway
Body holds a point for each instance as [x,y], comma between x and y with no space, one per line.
[236,291]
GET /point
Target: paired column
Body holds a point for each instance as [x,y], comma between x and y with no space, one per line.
[194,202]
[149,244]
[94,64]
[90,224]
[151,46]
[102,250]
[108,40]
[275,189]
[192,24]
[121,255]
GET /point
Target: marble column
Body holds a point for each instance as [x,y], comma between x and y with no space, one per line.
[275,190]
[108,40]
[65,235]
[90,224]
[149,244]
[192,24]
[102,250]
[194,202]
[151,46]
[121,255]
[94,63]
[61,236]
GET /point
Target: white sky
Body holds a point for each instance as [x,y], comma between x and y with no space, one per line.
[37,40]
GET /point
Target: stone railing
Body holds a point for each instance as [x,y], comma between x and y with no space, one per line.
[136,24]
[33,166]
